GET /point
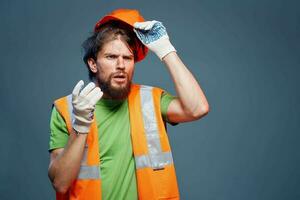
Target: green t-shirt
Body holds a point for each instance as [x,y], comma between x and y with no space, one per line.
[116,154]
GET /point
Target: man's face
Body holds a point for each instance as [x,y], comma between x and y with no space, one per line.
[115,67]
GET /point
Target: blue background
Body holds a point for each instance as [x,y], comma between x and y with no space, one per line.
[245,55]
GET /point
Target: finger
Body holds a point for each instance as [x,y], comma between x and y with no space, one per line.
[142,37]
[136,24]
[161,25]
[139,25]
[149,26]
[77,88]
[95,95]
[87,89]
[144,25]
[138,34]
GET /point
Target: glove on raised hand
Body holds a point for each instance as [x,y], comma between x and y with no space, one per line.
[84,102]
[154,36]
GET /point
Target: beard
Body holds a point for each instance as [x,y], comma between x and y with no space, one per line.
[114,92]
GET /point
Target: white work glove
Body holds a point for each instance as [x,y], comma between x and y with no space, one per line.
[84,102]
[154,36]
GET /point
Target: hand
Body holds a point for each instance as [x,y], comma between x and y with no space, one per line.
[84,102]
[154,36]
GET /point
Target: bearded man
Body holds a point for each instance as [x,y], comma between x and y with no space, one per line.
[108,139]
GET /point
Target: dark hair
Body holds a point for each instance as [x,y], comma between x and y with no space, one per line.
[106,33]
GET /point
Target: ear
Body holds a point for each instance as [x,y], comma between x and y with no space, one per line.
[92,65]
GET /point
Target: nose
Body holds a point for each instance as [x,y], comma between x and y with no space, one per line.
[120,63]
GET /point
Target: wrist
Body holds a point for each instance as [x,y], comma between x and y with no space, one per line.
[79,133]
[81,127]
[162,47]
[170,57]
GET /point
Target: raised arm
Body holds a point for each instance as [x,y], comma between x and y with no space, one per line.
[191,103]
[65,162]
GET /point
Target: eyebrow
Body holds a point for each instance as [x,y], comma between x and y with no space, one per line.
[111,54]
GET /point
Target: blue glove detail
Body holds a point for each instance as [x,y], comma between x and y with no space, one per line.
[148,36]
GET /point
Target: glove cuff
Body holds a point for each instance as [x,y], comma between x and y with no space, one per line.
[162,47]
[81,127]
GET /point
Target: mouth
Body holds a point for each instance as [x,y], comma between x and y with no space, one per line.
[120,77]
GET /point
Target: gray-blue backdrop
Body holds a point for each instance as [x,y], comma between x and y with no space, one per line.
[245,54]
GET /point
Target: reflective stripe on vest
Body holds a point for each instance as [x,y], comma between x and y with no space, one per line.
[85,172]
[156,162]
[155,159]
[89,172]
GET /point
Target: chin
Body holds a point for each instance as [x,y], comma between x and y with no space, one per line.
[119,91]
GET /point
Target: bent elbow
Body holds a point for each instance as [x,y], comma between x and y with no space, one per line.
[202,111]
[60,188]
[206,109]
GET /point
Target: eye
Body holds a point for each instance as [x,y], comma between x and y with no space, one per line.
[127,58]
[111,56]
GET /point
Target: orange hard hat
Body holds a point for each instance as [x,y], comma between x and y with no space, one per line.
[129,17]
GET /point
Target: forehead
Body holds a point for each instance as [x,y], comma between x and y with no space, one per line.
[116,46]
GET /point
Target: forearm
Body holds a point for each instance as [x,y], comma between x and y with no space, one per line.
[64,167]
[191,96]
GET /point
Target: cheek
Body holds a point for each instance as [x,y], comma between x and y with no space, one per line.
[105,68]
[105,64]
[130,64]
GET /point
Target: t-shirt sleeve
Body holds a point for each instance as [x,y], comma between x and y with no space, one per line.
[58,131]
[165,101]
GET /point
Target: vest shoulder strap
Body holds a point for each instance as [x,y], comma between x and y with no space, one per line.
[64,107]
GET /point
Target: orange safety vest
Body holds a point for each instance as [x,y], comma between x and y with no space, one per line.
[155,172]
